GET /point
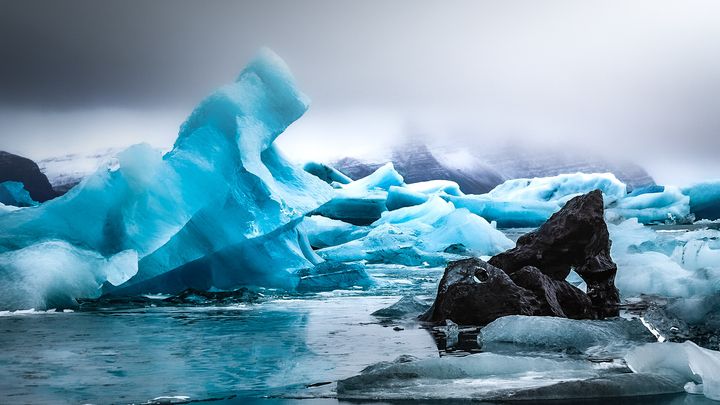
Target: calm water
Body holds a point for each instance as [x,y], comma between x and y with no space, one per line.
[275,347]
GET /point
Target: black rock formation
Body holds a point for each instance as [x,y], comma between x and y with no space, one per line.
[530,278]
[24,170]
[473,292]
[576,237]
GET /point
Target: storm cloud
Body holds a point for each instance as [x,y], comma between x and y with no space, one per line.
[639,79]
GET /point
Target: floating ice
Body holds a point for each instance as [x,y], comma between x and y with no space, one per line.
[679,265]
[14,193]
[400,197]
[420,234]
[477,376]
[326,173]
[699,367]
[220,209]
[668,205]
[704,199]
[323,232]
[563,333]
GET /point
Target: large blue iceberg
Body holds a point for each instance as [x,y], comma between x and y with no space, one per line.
[220,210]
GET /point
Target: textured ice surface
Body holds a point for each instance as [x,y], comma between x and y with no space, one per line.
[323,232]
[220,208]
[326,173]
[400,197]
[699,367]
[51,274]
[667,205]
[566,334]
[14,193]
[704,199]
[673,264]
[420,234]
[477,376]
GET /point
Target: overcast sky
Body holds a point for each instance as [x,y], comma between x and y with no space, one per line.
[639,79]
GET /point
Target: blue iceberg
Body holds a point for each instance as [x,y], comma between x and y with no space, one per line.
[14,193]
[704,199]
[221,209]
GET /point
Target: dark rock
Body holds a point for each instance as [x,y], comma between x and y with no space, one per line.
[406,306]
[576,237]
[24,170]
[557,298]
[473,292]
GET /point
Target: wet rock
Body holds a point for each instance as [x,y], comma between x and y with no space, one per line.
[24,170]
[576,237]
[473,292]
[557,298]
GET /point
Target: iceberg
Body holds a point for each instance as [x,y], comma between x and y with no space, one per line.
[221,209]
[326,173]
[668,205]
[564,334]
[704,199]
[420,234]
[520,203]
[685,265]
[699,367]
[477,376]
[323,232]
[14,193]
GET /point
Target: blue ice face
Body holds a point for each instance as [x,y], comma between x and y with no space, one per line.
[222,192]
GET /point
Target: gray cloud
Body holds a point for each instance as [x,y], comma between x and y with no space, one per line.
[638,79]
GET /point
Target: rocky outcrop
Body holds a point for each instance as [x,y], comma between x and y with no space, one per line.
[23,170]
[576,237]
[530,278]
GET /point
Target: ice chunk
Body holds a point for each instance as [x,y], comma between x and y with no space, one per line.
[418,234]
[436,187]
[195,214]
[407,306]
[704,199]
[559,188]
[477,376]
[323,232]
[400,197]
[668,205]
[381,179]
[326,173]
[14,193]
[507,214]
[53,273]
[699,367]
[564,333]
[685,266]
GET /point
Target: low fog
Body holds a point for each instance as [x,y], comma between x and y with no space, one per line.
[637,81]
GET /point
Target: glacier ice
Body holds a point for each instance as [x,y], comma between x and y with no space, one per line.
[704,199]
[477,376]
[699,367]
[668,205]
[420,234]
[14,193]
[665,264]
[326,173]
[564,333]
[530,202]
[401,197]
[222,207]
[323,232]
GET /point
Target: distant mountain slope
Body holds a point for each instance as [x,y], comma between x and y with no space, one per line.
[478,170]
[416,163]
[24,170]
[65,172]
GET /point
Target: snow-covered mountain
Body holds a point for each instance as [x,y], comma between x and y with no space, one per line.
[478,170]
[64,172]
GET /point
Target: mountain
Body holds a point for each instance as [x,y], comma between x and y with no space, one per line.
[24,170]
[417,163]
[65,172]
[478,170]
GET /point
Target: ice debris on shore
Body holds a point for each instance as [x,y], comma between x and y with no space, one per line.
[687,361]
